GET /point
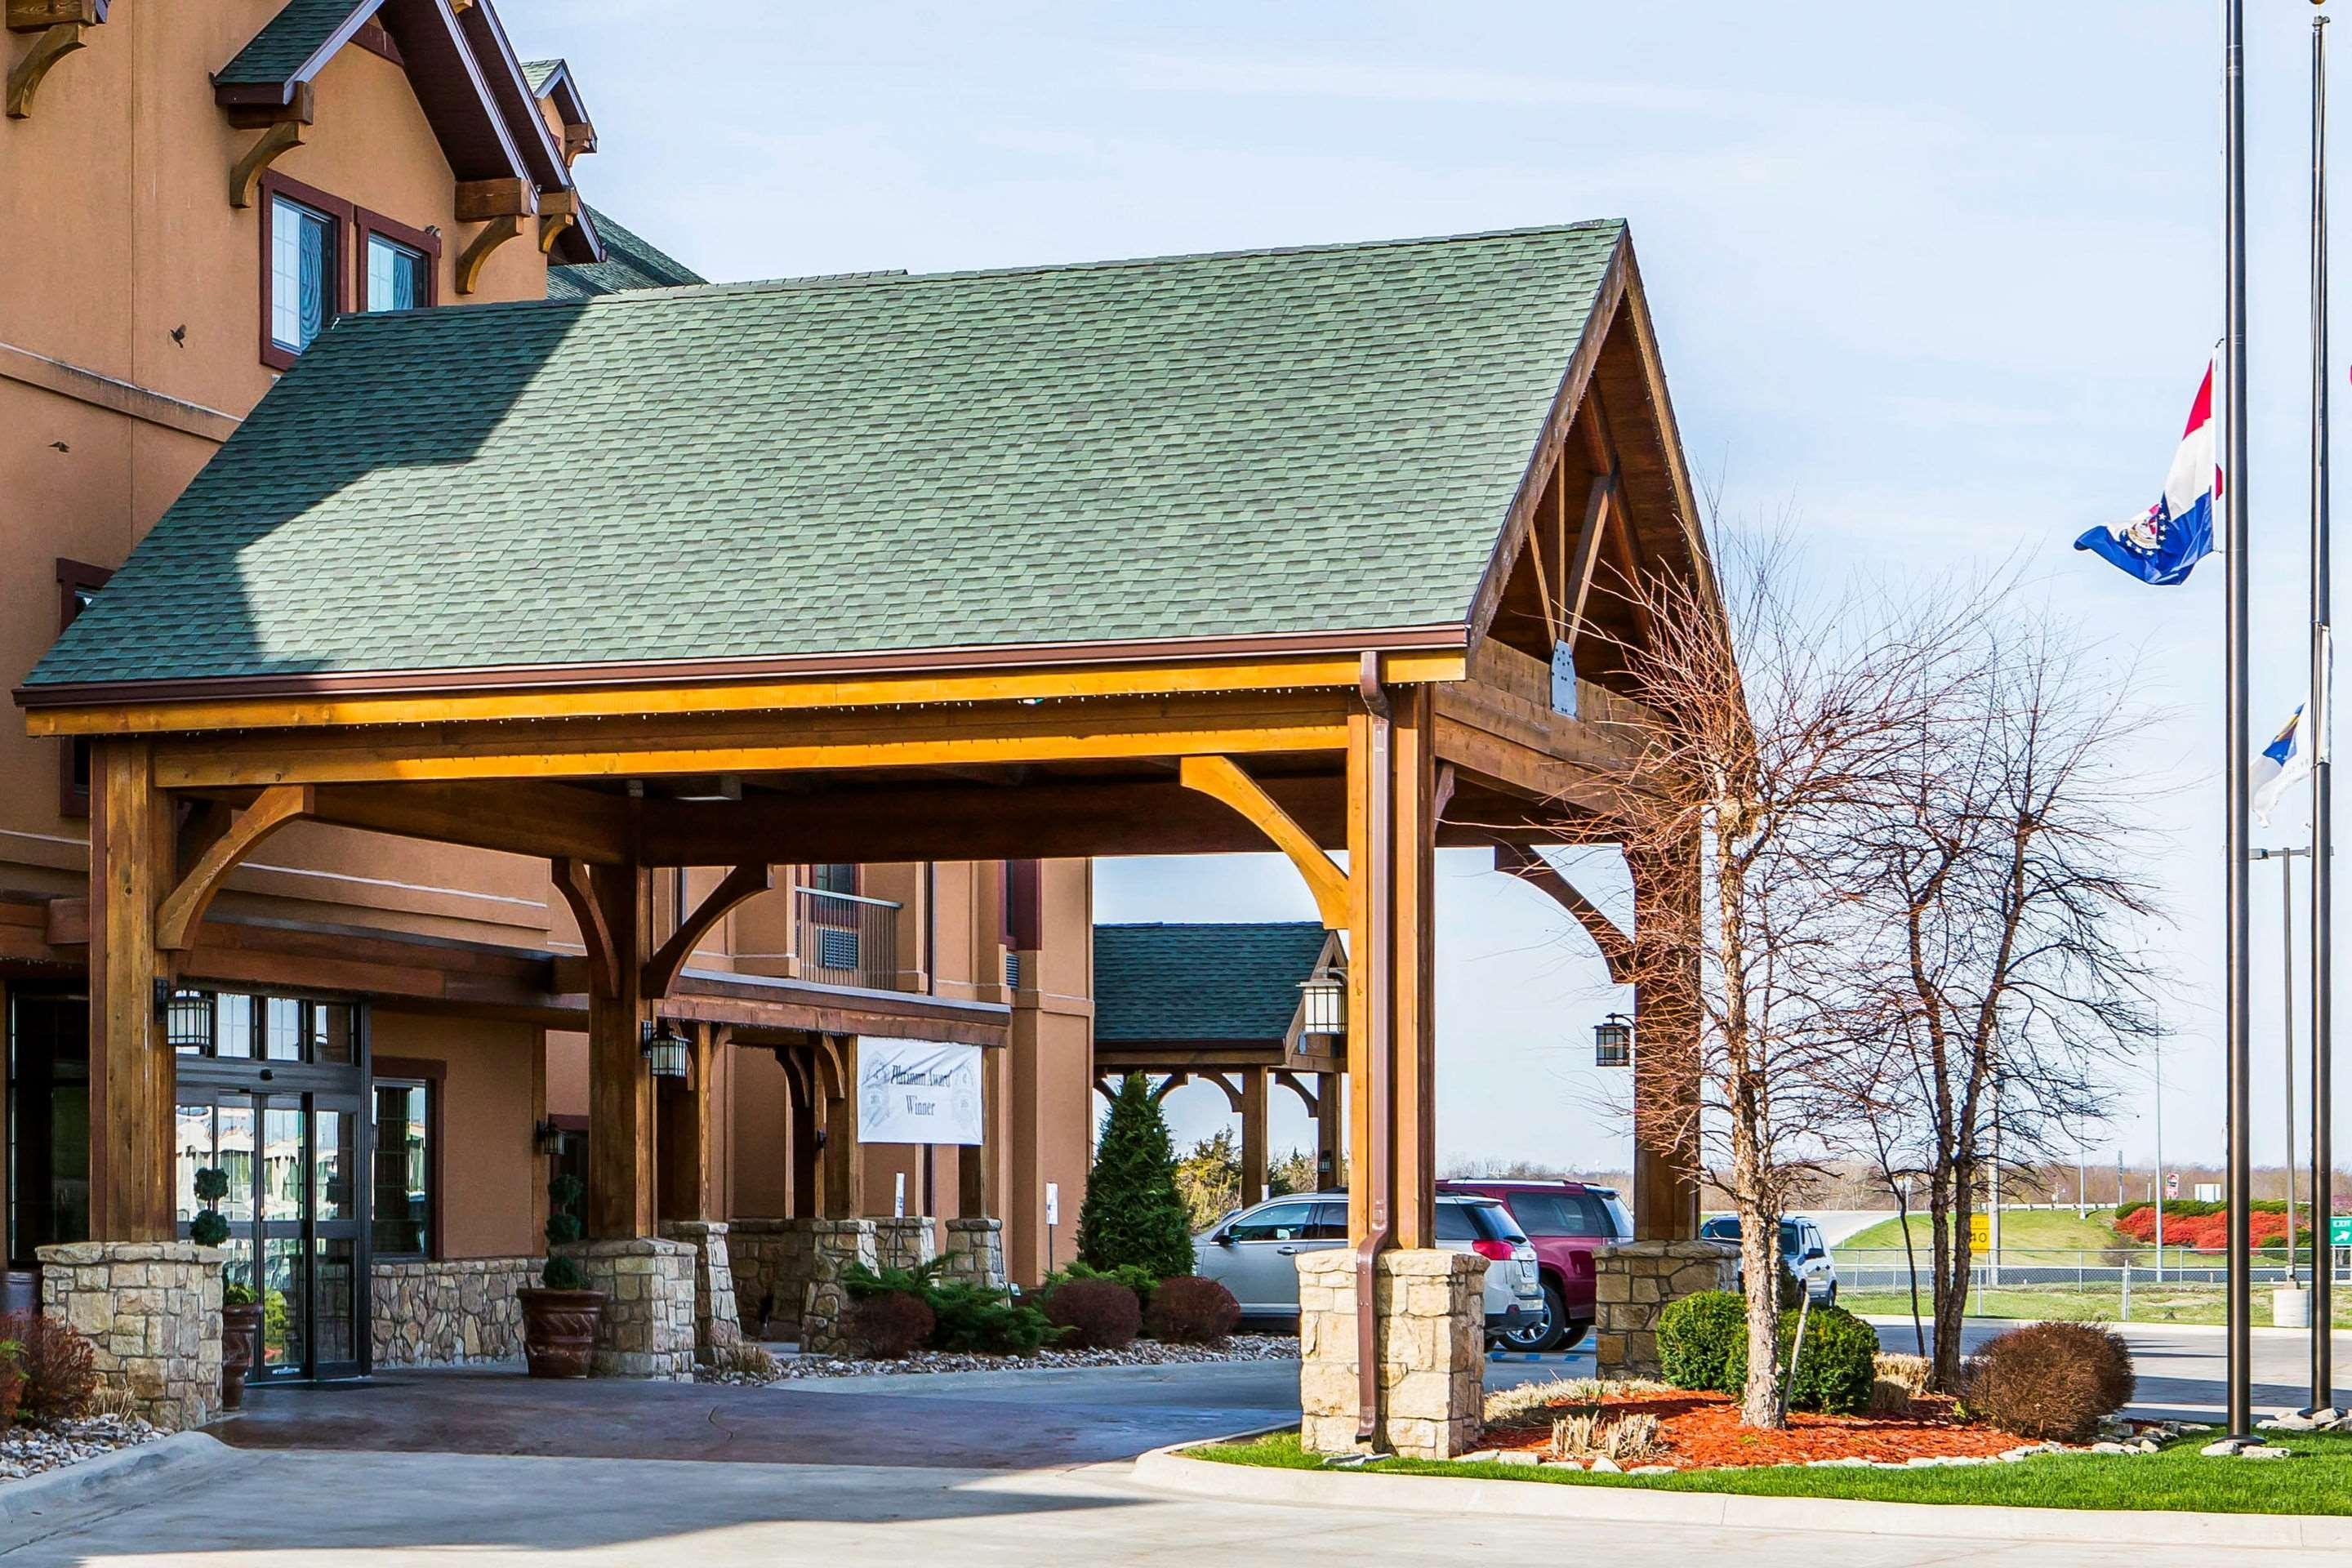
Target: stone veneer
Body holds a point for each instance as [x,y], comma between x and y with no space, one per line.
[976,1252]
[646,1329]
[151,1312]
[1634,1283]
[458,1312]
[718,1327]
[836,1244]
[1432,1343]
[905,1241]
[772,1260]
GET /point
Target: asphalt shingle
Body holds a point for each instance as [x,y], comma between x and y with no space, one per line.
[630,262]
[1207,981]
[287,41]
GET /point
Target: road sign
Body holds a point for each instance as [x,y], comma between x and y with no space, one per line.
[2339,1230]
[1980,1231]
[2172,1186]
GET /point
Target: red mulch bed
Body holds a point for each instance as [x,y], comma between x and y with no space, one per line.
[1703,1431]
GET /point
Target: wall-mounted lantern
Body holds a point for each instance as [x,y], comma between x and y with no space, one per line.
[669,1054]
[547,1137]
[188,1021]
[1323,1003]
[1612,1042]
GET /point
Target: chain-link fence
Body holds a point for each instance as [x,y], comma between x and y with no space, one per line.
[2120,1283]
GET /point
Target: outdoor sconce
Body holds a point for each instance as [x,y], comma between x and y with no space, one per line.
[1323,1003]
[1612,1042]
[547,1137]
[667,1052]
[188,1021]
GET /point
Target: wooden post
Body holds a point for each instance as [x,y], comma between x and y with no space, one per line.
[621,1179]
[800,1089]
[845,1160]
[1361,940]
[1666,1007]
[687,1145]
[1330,1119]
[1253,1119]
[975,1174]
[1413,968]
[133,1073]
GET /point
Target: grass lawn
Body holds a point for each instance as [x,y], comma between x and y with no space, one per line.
[2318,1479]
[2099,1304]
[2022,1231]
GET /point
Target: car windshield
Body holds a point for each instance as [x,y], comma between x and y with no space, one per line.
[1726,1227]
[1494,1222]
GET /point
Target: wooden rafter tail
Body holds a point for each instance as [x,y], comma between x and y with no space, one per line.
[182,909]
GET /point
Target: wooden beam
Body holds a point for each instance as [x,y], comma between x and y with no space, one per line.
[554,822]
[484,201]
[806,1122]
[25,77]
[1616,947]
[576,881]
[1221,778]
[132,1070]
[621,1177]
[1667,1006]
[39,15]
[687,1145]
[743,882]
[1253,1131]
[1413,972]
[1585,559]
[175,921]
[477,254]
[845,1160]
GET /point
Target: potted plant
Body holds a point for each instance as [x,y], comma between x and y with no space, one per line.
[559,1319]
[240,1313]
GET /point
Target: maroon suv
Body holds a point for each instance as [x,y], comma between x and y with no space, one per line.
[1566,1220]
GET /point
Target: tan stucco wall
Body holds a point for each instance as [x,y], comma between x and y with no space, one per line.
[491,1174]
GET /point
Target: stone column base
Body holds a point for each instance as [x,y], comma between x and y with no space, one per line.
[1634,1282]
[835,1244]
[717,1325]
[976,1252]
[772,1260]
[456,1313]
[151,1311]
[1432,1343]
[648,1326]
[905,1242]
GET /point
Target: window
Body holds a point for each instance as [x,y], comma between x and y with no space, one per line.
[835,877]
[304,272]
[399,266]
[1281,1222]
[405,1166]
[1558,1213]
[77,586]
[234,1028]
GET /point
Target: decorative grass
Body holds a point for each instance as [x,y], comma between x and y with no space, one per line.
[2317,1481]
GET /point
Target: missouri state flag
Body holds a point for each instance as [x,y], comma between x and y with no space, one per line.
[2177,533]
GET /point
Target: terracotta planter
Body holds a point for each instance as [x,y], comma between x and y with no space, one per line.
[559,1329]
[240,1347]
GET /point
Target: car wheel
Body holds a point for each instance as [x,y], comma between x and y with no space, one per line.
[1832,1299]
[1543,1332]
[1572,1336]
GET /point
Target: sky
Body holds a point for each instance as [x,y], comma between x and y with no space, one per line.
[1931,294]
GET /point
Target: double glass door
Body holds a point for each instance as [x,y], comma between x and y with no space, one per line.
[294,1210]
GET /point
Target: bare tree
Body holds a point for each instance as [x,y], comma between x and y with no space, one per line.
[1776,717]
[2001,979]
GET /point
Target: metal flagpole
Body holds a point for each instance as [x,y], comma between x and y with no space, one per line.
[2323,865]
[2237,741]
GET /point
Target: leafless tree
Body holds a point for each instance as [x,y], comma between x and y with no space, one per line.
[2001,977]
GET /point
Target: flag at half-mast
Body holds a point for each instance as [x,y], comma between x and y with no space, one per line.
[2177,533]
[2282,765]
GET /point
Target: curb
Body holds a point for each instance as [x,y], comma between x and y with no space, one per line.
[1167,1469]
[184,1456]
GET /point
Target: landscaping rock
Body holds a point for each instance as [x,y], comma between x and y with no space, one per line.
[1142,1352]
[1483,1456]
[2285,1421]
[1521,1456]
[2109,1449]
[1605,1466]
[31,1450]
[1651,1471]
[2266,1451]
[1843,1464]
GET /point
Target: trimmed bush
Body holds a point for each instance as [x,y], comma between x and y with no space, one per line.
[1697,1338]
[1133,1213]
[1093,1314]
[1142,1281]
[1191,1310]
[61,1374]
[965,1317]
[1836,1366]
[890,1326]
[2051,1381]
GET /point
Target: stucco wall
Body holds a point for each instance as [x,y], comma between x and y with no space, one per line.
[492,1176]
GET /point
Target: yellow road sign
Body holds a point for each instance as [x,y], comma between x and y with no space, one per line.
[1980,1231]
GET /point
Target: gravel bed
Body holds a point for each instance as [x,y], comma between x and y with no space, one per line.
[29,1450]
[1142,1352]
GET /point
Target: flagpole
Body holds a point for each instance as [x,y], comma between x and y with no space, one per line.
[2323,864]
[2236,744]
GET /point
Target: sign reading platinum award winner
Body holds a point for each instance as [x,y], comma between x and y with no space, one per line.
[917,1091]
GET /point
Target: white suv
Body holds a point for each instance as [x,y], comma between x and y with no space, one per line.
[1254,1253]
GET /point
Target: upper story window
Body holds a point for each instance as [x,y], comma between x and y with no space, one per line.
[399,266]
[835,876]
[304,266]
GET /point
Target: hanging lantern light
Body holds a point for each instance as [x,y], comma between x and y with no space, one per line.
[667,1053]
[188,1022]
[1612,1042]
[1323,1003]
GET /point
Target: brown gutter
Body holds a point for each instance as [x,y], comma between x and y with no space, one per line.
[1376,957]
[499,680]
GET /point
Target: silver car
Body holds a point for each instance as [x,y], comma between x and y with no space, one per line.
[1253,1253]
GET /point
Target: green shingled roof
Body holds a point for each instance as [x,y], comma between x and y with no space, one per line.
[288,40]
[536,72]
[1300,441]
[1228,982]
[630,262]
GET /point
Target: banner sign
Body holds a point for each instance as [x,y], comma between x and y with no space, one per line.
[917,1091]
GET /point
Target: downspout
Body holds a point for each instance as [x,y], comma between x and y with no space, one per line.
[1379,937]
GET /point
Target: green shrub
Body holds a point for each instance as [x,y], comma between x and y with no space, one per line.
[209,1228]
[2052,1381]
[1093,1314]
[965,1317]
[1133,1213]
[1140,1280]
[1837,1364]
[1697,1338]
[562,1225]
[1191,1310]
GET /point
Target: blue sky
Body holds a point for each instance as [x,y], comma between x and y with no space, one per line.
[1932,292]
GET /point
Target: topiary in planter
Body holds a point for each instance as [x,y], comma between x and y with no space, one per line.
[1191,1310]
[890,1326]
[209,1228]
[1699,1338]
[2051,1381]
[1095,1314]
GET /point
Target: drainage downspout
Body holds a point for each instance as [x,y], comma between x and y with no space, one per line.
[1379,936]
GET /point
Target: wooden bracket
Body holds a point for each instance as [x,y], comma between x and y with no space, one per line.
[1222,779]
[1170,1085]
[550,229]
[1616,947]
[1231,1086]
[579,891]
[1296,1084]
[272,144]
[182,909]
[54,45]
[742,883]
[478,251]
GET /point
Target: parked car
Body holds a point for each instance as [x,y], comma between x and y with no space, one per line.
[1253,1253]
[1802,1251]
[1567,1221]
